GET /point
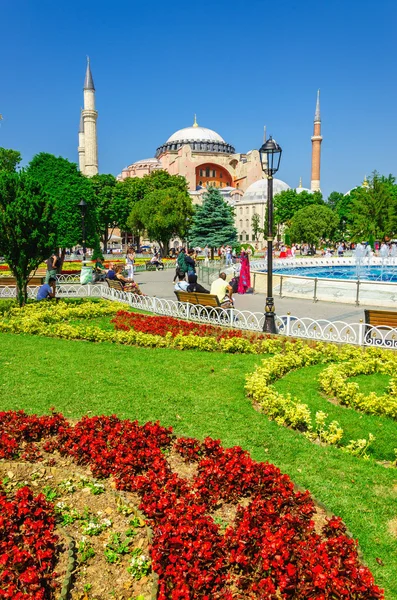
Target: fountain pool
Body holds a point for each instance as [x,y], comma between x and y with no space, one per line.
[348,272]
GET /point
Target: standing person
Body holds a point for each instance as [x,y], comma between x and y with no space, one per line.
[228,254]
[190,262]
[223,290]
[206,256]
[181,266]
[129,261]
[244,282]
[52,266]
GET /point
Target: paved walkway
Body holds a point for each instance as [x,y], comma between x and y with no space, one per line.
[159,283]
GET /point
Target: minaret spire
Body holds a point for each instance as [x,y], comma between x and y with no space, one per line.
[264,134]
[88,81]
[316,148]
[89,115]
[317,115]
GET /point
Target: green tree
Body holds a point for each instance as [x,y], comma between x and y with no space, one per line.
[26,226]
[64,182]
[111,205]
[134,189]
[256,228]
[213,222]
[289,202]
[334,199]
[9,159]
[313,223]
[163,214]
[373,209]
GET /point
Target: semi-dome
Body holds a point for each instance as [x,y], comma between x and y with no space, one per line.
[200,139]
[257,192]
[146,161]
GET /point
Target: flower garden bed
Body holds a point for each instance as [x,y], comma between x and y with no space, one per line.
[224,526]
[159,325]
[346,361]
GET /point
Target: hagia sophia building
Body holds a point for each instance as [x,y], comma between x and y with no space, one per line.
[205,159]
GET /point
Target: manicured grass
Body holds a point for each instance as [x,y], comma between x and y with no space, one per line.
[201,394]
[303,384]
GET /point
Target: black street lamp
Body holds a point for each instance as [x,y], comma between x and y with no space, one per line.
[83,208]
[270,154]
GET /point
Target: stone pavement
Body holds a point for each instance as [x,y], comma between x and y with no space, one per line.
[159,283]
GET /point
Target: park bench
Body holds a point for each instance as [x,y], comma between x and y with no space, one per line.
[114,284]
[226,317]
[151,267]
[198,298]
[10,281]
[380,319]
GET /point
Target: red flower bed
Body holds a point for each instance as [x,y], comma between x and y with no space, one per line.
[270,550]
[27,546]
[162,325]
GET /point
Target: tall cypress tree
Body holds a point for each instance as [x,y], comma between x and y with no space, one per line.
[213,222]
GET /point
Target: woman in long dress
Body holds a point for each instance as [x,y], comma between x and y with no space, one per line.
[129,260]
[245,278]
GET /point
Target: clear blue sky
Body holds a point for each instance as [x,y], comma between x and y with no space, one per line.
[155,64]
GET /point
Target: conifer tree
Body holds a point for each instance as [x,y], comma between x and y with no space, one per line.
[213,222]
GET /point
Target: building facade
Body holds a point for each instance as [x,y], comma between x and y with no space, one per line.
[204,158]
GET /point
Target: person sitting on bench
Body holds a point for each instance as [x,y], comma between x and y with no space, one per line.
[111,274]
[223,290]
[181,284]
[129,285]
[194,286]
[47,290]
[156,261]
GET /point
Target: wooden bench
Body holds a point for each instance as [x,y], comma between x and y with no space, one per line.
[11,281]
[152,267]
[114,284]
[380,319]
[198,298]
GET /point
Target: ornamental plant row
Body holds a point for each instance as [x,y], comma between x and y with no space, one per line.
[270,550]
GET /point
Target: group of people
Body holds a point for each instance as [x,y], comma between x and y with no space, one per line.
[185,278]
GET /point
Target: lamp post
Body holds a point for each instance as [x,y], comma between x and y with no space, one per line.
[270,154]
[83,208]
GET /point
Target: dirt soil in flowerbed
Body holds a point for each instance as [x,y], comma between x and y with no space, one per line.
[85,505]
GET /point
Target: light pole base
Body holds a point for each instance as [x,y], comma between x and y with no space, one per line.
[269,325]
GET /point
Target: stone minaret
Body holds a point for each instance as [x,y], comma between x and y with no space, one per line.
[89,123]
[81,148]
[316,148]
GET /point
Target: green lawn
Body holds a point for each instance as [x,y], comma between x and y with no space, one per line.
[304,385]
[202,394]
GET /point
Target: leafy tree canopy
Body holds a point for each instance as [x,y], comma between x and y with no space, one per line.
[333,199]
[26,226]
[112,206]
[9,159]
[313,223]
[289,202]
[373,209]
[163,214]
[213,222]
[64,182]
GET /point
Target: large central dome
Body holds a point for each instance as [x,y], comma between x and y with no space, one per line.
[195,133]
[200,139]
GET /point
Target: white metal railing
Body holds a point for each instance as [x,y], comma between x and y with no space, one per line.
[288,325]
